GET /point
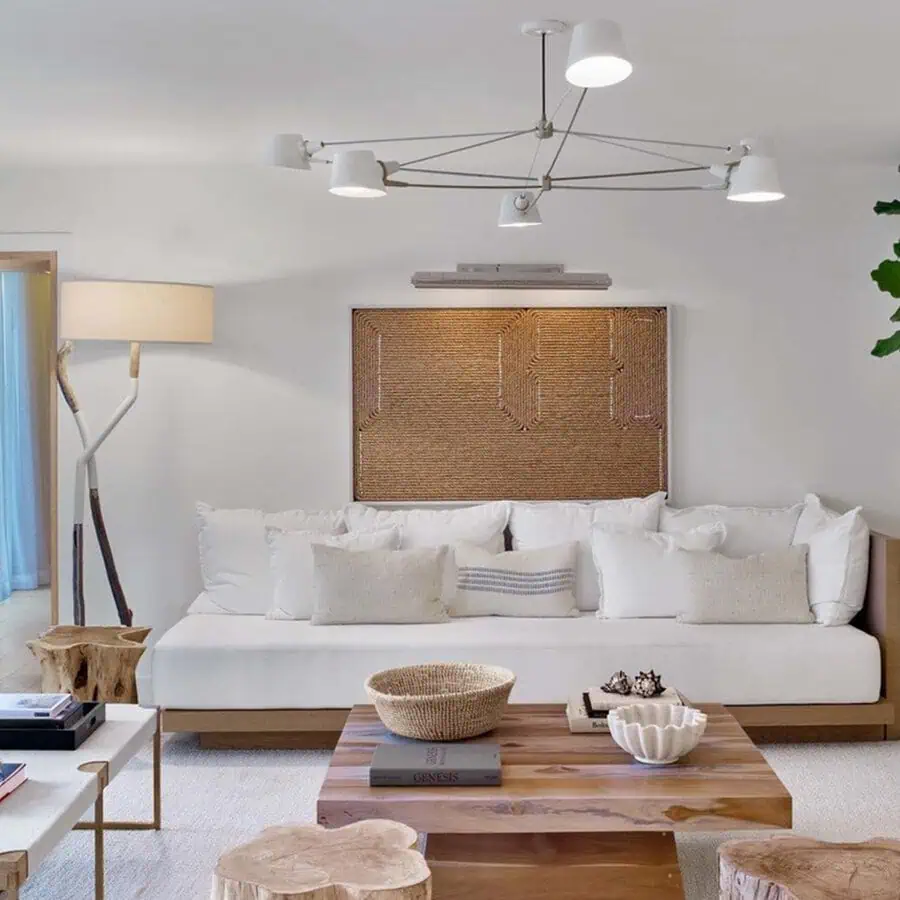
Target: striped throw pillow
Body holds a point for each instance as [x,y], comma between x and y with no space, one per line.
[531,583]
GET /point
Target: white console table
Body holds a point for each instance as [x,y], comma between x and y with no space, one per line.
[63,786]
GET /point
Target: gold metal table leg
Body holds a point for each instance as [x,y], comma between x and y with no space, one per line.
[99,869]
[155,824]
[101,770]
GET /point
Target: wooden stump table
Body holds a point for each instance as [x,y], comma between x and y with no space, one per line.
[372,859]
[802,869]
[90,663]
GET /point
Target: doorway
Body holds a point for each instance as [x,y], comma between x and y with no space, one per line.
[28,408]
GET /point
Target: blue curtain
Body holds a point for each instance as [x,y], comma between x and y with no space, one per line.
[23,555]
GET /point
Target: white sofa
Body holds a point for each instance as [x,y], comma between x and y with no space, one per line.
[249,662]
[225,665]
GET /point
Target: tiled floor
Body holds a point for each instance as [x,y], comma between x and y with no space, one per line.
[22,617]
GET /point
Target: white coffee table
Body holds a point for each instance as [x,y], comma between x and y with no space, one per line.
[62,786]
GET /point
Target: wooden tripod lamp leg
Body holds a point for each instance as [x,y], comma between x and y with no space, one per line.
[86,470]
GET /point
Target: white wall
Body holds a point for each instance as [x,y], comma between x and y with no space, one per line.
[773,390]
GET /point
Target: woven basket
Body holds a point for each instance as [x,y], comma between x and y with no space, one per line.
[441,701]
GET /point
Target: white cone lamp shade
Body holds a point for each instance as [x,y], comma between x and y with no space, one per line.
[356,173]
[518,210]
[755,180]
[289,151]
[136,311]
[597,55]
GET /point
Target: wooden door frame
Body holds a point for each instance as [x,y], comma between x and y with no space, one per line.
[46,261]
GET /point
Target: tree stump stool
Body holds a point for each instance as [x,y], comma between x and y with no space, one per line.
[801,869]
[95,663]
[372,859]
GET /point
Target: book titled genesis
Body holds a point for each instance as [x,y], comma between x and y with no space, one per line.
[435,765]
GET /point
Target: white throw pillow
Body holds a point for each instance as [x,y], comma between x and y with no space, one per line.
[234,555]
[549,524]
[838,560]
[637,571]
[748,529]
[291,562]
[526,583]
[377,586]
[483,525]
[766,588]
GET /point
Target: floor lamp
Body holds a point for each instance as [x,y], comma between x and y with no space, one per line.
[136,312]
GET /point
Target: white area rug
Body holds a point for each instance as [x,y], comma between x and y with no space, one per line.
[213,800]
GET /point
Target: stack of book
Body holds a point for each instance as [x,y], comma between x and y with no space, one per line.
[47,721]
[435,765]
[589,710]
[19,708]
[12,775]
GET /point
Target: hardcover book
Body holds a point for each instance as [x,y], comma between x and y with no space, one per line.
[12,775]
[435,765]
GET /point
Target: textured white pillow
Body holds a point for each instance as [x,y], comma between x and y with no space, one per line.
[234,555]
[291,562]
[838,560]
[377,586]
[767,588]
[748,529]
[636,569]
[549,524]
[526,583]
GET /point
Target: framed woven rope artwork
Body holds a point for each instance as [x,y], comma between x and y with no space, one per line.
[532,404]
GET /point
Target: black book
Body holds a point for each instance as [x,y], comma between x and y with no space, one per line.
[435,765]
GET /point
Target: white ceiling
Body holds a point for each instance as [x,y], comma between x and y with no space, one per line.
[208,81]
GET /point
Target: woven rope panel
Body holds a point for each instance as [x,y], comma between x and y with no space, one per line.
[533,404]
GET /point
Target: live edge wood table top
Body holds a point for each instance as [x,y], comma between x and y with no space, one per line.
[564,806]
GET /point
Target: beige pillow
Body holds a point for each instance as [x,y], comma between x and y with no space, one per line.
[769,588]
[377,586]
[527,583]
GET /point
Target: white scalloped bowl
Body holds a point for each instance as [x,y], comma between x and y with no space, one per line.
[655,733]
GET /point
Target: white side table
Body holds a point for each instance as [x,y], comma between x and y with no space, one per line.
[62,786]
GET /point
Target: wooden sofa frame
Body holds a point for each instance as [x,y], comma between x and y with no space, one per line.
[310,728]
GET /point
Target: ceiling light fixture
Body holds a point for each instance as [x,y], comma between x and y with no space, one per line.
[357,173]
[597,58]
[754,179]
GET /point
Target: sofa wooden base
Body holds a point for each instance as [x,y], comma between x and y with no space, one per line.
[241,729]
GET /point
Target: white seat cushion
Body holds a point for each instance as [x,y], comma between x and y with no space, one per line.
[249,662]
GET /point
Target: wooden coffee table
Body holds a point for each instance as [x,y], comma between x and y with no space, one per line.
[575,816]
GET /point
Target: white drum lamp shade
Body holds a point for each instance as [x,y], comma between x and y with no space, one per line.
[357,173]
[597,55]
[518,209]
[136,311]
[755,180]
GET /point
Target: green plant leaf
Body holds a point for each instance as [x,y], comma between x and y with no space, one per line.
[887,346]
[897,249]
[887,208]
[887,277]
[896,316]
